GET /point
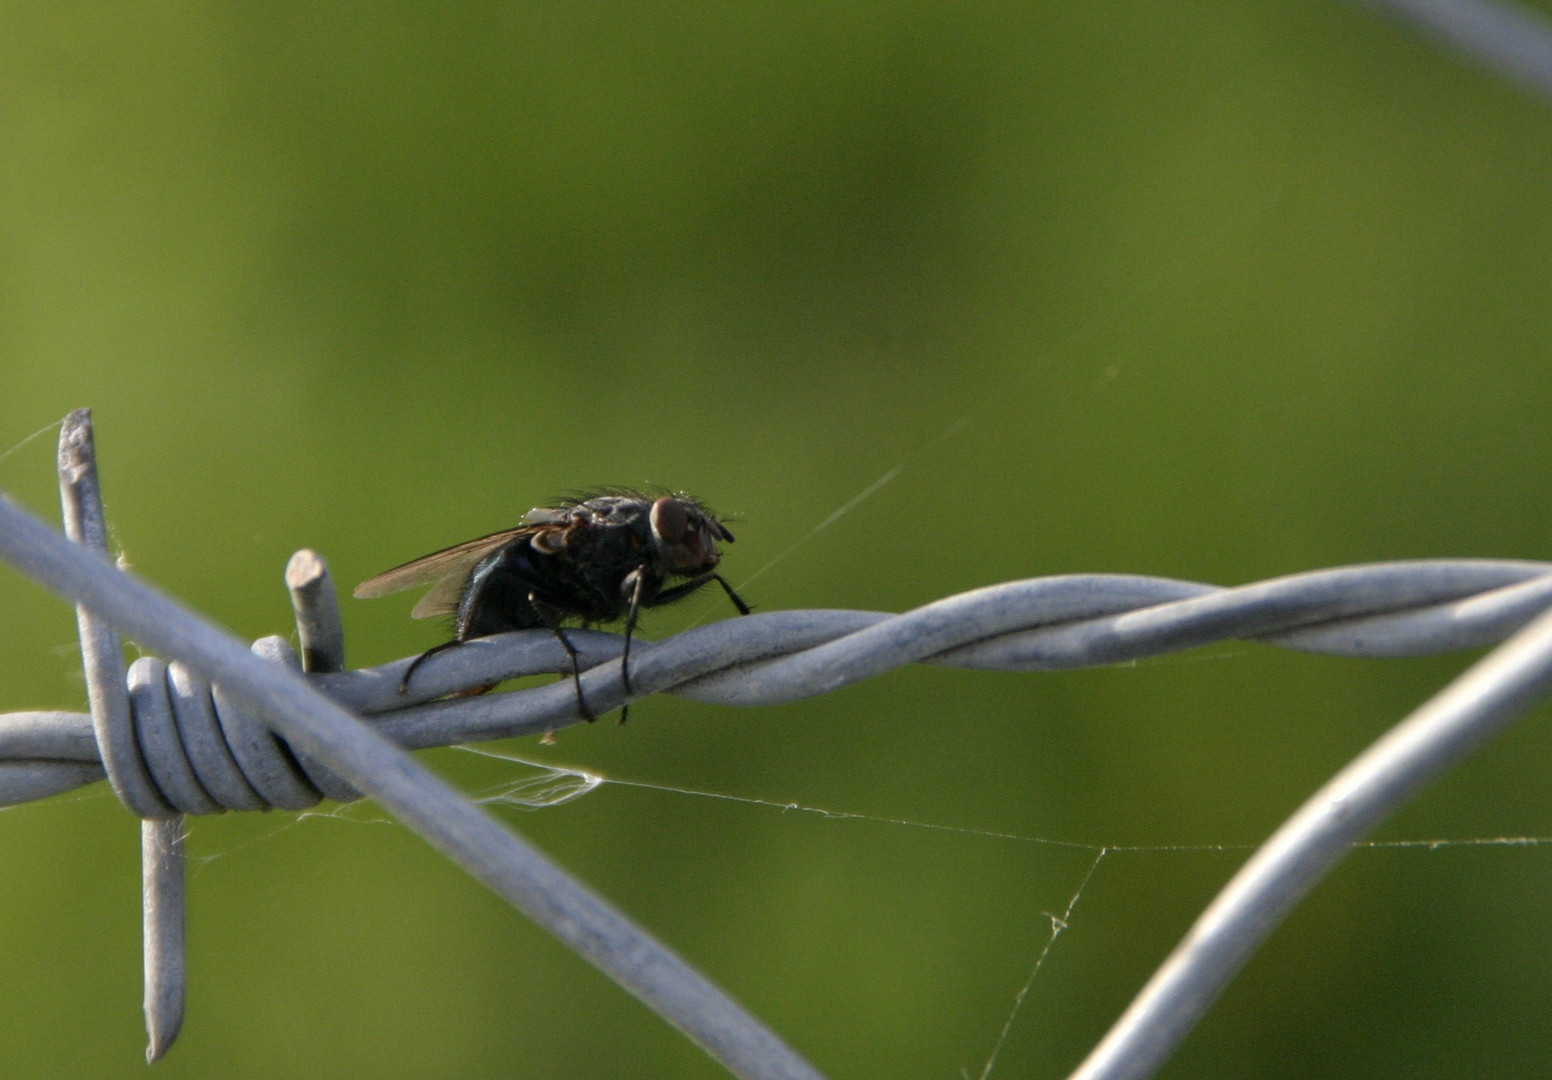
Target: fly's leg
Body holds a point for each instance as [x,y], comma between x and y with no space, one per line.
[636,583]
[404,683]
[552,620]
[738,601]
[576,673]
[637,580]
[679,592]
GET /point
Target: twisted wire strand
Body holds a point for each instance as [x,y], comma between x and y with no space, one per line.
[205,753]
[201,750]
[1377,610]
[492,853]
[1484,700]
[1385,609]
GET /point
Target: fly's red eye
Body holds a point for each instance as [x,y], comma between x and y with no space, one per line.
[669,520]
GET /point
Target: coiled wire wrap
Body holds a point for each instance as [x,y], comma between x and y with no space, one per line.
[207,754]
[204,754]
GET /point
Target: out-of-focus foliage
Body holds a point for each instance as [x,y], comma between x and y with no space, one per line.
[1209,290]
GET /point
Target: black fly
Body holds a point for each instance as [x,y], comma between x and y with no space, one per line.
[597,558]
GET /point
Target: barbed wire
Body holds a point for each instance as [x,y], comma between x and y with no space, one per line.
[221,727]
[316,729]
[204,753]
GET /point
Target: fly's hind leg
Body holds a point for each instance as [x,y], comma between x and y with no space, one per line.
[473,691]
[404,683]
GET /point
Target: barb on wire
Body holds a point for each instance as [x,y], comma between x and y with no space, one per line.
[219,727]
[161,829]
[1377,610]
[318,730]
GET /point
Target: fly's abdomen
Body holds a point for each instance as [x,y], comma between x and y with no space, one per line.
[496,596]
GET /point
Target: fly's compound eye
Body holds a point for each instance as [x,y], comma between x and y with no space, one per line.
[681,537]
[670,522]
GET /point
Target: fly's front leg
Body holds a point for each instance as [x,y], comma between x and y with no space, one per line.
[738,601]
[635,584]
[679,592]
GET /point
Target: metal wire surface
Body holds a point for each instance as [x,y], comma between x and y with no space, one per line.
[264,736]
[206,753]
[317,728]
[1510,39]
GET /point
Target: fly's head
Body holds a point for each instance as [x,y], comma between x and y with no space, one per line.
[685,535]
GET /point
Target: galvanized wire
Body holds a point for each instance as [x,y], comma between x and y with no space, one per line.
[218,744]
[1493,693]
[208,754]
[313,726]
[161,830]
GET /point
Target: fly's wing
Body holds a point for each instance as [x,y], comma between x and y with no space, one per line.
[444,570]
[442,599]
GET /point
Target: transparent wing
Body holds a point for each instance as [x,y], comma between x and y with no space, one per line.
[444,570]
[442,599]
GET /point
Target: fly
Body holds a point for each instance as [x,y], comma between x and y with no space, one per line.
[598,558]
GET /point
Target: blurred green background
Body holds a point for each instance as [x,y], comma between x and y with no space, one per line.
[1210,290]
